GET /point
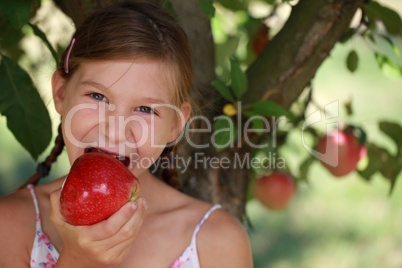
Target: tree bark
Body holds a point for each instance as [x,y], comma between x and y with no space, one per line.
[78,10]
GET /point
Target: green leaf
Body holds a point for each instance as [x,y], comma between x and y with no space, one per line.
[249,113]
[233,5]
[16,11]
[257,121]
[168,6]
[223,90]
[390,18]
[381,59]
[10,38]
[305,167]
[394,131]
[207,7]
[27,117]
[258,125]
[390,167]
[226,50]
[394,47]
[238,78]
[387,65]
[381,160]
[373,163]
[42,36]
[269,108]
[352,61]
[224,132]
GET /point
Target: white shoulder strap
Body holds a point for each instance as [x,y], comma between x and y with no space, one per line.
[35,201]
[197,228]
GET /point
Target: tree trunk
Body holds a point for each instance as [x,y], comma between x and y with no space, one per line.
[286,66]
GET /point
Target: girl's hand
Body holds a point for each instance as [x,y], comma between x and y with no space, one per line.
[106,243]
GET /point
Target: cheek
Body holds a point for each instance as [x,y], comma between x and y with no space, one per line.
[154,139]
[162,131]
[77,135]
[150,133]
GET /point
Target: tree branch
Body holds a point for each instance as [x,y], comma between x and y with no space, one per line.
[292,58]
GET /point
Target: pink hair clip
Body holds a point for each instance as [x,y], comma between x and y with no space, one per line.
[68,56]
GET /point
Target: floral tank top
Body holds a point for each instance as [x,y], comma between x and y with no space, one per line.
[44,254]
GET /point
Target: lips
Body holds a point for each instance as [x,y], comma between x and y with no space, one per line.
[125,160]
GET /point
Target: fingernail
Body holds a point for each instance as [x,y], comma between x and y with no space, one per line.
[134,206]
[145,204]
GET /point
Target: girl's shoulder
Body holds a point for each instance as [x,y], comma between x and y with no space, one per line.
[222,240]
[17,208]
[17,228]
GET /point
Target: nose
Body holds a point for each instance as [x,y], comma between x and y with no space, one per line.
[113,128]
[124,129]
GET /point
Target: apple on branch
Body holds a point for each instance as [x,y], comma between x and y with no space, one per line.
[344,148]
[276,190]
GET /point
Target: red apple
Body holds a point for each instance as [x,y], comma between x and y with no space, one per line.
[97,186]
[275,191]
[341,152]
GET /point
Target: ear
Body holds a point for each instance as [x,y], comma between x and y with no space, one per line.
[181,119]
[59,90]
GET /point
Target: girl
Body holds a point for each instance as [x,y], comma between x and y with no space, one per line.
[122,89]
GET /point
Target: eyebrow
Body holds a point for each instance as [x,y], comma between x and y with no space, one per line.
[154,100]
[94,84]
[103,87]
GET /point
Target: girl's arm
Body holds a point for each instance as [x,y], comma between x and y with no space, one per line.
[103,244]
[223,242]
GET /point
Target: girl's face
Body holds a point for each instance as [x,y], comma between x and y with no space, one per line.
[118,107]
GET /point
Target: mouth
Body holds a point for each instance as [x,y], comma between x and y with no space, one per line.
[123,159]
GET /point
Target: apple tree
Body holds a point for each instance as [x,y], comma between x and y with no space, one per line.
[253,71]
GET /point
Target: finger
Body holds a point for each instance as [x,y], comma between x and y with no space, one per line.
[128,232]
[113,224]
[138,217]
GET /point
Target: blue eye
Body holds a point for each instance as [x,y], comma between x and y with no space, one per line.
[98,97]
[145,109]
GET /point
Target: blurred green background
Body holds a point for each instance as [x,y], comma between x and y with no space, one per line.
[339,222]
[332,222]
